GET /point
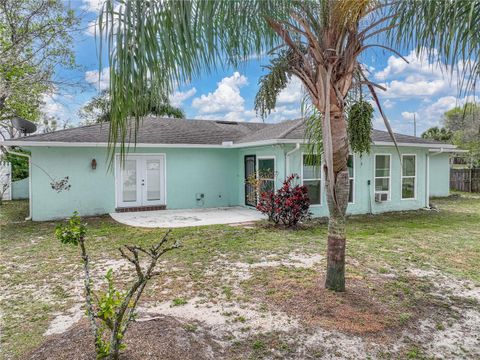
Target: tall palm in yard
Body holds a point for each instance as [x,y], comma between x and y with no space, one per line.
[166,43]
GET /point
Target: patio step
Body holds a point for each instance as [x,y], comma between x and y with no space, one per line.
[140,208]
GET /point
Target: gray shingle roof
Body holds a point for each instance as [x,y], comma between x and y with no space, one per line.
[155,130]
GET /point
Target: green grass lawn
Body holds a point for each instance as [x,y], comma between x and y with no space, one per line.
[38,273]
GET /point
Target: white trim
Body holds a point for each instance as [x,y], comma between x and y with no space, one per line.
[287,159]
[423,145]
[443,151]
[118,185]
[226,145]
[414,179]
[313,179]
[267,157]
[147,145]
[382,177]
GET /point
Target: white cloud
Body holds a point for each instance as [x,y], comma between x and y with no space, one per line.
[407,115]
[293,92]
[428,115]
[284,112]
[51,106]
[92,5]
[226,98]
[388,104]
[225,102]
[421,77]
[101,84]
[92,29]
[178,97]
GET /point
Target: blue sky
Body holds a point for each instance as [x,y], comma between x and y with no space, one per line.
[419,87]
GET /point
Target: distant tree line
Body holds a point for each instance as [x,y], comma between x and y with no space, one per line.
[461,126]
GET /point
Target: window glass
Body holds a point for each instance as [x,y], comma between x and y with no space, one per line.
[382,184]
[408,176]
[350,166]
[351,172]
[314,191]
[408,188]
[312,167]
[382,165]
[266,172]
[408,165]
[312,177]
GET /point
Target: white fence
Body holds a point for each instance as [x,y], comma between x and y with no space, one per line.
[5,180]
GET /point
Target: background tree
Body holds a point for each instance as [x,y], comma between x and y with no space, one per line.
[97,110]
[439,134]
[320,42]
[35,38]
[464,123]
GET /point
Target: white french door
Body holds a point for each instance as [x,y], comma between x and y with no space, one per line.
[141,180]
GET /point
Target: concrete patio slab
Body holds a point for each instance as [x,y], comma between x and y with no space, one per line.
[187,217]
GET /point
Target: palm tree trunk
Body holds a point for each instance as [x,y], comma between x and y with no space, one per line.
[337,201]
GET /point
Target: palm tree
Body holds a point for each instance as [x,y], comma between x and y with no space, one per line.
[167,43]
[439,134]
[97,109]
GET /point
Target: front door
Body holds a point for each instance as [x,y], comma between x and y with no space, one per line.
[250,171]
[141,180]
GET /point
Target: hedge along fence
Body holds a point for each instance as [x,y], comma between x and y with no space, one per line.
[465,180]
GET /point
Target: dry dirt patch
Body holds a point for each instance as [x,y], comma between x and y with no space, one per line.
[368,307]
[163,338]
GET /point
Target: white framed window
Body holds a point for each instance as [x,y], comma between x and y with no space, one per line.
[266,172]
[409,174]
[351,178]
[312,177]
[383,176]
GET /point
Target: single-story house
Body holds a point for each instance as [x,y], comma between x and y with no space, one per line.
[184,164]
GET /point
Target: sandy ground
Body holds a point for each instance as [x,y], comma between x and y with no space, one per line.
[455,335]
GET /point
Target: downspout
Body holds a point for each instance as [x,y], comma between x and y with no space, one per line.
[427,180]
[287,161]
[29,157]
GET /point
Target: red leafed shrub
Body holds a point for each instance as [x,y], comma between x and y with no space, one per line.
[289,205]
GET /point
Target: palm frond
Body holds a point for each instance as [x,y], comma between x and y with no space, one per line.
[272,83]
[167,43]
[447,31]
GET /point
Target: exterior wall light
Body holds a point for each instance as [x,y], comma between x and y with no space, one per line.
[94,164]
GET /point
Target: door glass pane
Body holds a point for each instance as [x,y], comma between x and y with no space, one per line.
[153,180]
[408,165]
[267,186]
[266,168]
[250,191]
[314,191]
[129,178]
[382,165]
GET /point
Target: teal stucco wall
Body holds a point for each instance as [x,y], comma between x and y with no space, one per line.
[439,175]
[213,172]
[364,198]
[20,189]
[216,173]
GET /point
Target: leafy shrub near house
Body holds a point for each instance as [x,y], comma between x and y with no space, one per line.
[289,205]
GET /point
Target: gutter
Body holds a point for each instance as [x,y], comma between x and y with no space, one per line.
[29,157]
[287,162]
